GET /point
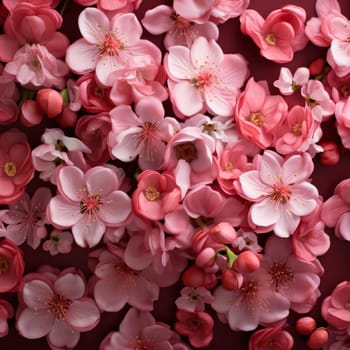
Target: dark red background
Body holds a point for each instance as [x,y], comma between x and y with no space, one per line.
[335,261]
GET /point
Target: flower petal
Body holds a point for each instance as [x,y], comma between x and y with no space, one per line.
[62,335]
[36,293]
[63,213]
[83,314]
[265,213]
[70,286]
[116,208]
[187,98]
[179,63]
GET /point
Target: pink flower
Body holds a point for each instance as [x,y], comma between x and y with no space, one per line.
[118,284]
[60,242]
[258,114]
[88,202]
[109,45]
[26,218]
[253,304]
[139,330]
[280,35]
[194,299]
[335,308]
[288,83]
[11,266]
[156,195]
[179,30]
[16,168]
[274,337]
[6,312]
[56,307]
[203,78]
[280,191]
[142,134]
[197,326]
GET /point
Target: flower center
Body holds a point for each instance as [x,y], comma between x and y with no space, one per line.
[280,273]
[99,92]
[256,118]
[194,297]
[208,128]
[59,146]
[141,345]
[10,169]
[186,151]
[203,80]
[297,129]
[151,193]
[281,193]
[312,103]
[146,138]
[271,39]
[4,265]
[55,238]
[201,222]
[59,306]
[90,204]
[249,290]
[110,45]
[347,305]
[35,64]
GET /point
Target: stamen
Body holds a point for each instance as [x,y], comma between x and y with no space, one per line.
[151,193]
[271,39]
[10,169]
[256,118]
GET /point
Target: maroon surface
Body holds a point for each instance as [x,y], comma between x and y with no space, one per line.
[335,261]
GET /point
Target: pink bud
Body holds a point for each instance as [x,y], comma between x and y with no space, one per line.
[50,101]
[31,114]
[318,339]
[330,155]
[305,325]
[247,262]
[67,119]
[223,233]
[206,257]
[316,66]
[231,280]
[193,277]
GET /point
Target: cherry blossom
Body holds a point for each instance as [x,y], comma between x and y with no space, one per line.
[59,242]
[288,83]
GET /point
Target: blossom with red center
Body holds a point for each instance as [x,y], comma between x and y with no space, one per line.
[88,203]
[280,192]
[109,45]
[204,78]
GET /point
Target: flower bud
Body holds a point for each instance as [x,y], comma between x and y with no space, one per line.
[67,119]
[247,262]
[231,280]
[50,101]
[330,155]
[316,66]
[206,257]
[318,339]
[305,325]
[31,114]
[193,277]
[223,233]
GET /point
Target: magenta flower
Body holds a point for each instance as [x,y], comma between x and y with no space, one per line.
[204,78]
[56,307]
[280,191]
[88,203]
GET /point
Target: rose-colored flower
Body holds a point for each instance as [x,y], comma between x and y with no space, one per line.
[204,78]
[11,266]
[16,168]
[60,242]
[197,326]
[56,306]
[280,191]
[88,202]
[26,218]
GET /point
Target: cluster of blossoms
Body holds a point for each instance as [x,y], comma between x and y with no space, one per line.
[170,166]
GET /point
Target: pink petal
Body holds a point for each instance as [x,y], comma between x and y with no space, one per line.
[109,295]
[8,47]
[101,181]
[62,335]
[251,185]
[332,209]
[83,315]
[242,318]
[116,208]
[179,63]
[127,148]
[233,71]
[36,293]
[93,25]
[295,169]
[342,229]
[63,213]
[135,255]
[276,309]
[34,324]
[158,332]
[128,28]
[303,199]
[150,110]
[142,294]
[134,322]
[158,20]
[187,98]
[107,65]
[88,232]
[70,286]
[70,182]
[270,168]
[206,53]
[219,101]
[286,224]
[265,213]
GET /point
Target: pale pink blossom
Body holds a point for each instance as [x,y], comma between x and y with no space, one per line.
[6,312]
[57,149]
[258,114]
[179,30]
[247,241]
[109,45]
[280,191]
[87,203]
[194,299]
[141,134]
[59,242]
[318,99]
[25,220]
[280,35]
[204,78]
[288,83]
[252,304]
[296,280]
[139,329]
[118,284]
[56,307]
